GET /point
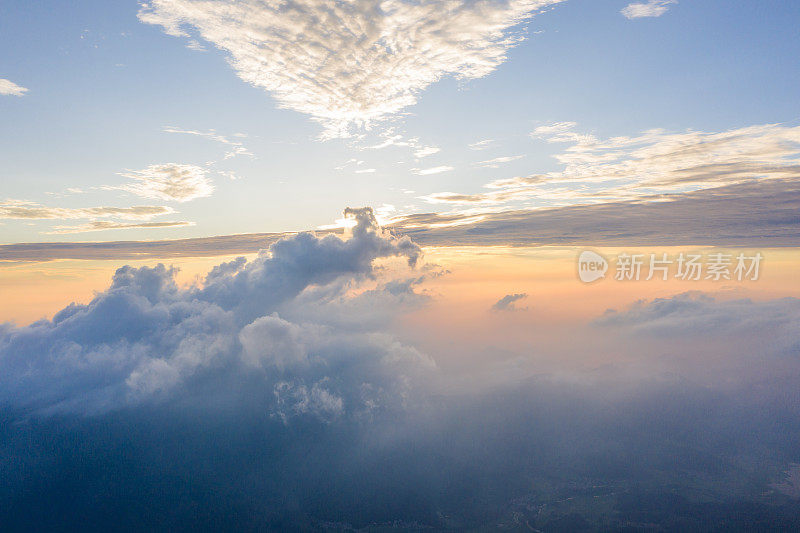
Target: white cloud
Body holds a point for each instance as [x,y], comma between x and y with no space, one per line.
[653,8]
[349,64]
[19,209]
[9,88]
[425,151]
[170,181]
[497,161]
[104,225]
[236,148]
[481,145]
[196,46]
[653,163]
[432,170]
[558,132]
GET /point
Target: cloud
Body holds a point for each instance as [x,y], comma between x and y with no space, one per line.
[497,161]
[753,214]
[560,132]
[653,8]
[481,145]
[146,339]
[552,129]
[236,148]
[694,314]
[9,88]
[156,249]
[711,340]
[432,170]
[170,181]
[392,138]
[103,225]
[653,163]
[507,302]
[761,213]
[350,64]
[425,151]
[19,209]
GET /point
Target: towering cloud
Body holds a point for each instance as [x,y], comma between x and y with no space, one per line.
[146,338]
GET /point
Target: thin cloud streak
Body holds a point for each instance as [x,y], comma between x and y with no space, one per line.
[19,209]
[432,170]
[103,225]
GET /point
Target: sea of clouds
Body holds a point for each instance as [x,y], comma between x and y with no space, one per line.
[277,394]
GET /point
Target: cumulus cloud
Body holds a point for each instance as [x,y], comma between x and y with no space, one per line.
[508,302]
[170,181]
[146,339]
[349,64]
[653,8]
[9,88]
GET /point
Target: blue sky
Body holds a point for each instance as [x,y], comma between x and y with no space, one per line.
[103,86]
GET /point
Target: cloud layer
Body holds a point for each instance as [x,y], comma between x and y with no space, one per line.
[653,163]
[348,64]
[751,214]
[19,209]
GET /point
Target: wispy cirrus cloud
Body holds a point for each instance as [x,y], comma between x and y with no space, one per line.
[235,148]
[350,64]
[170,181]
[497,161]
[19,209]
[652,8]
[653,163]
[481,145]
[104,225]
[425,151]
[432,170]
[390,137]
[9,88]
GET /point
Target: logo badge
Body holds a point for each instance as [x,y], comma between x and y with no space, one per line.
[591,266]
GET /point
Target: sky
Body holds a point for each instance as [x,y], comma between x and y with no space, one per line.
[166,111]
[443,264]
